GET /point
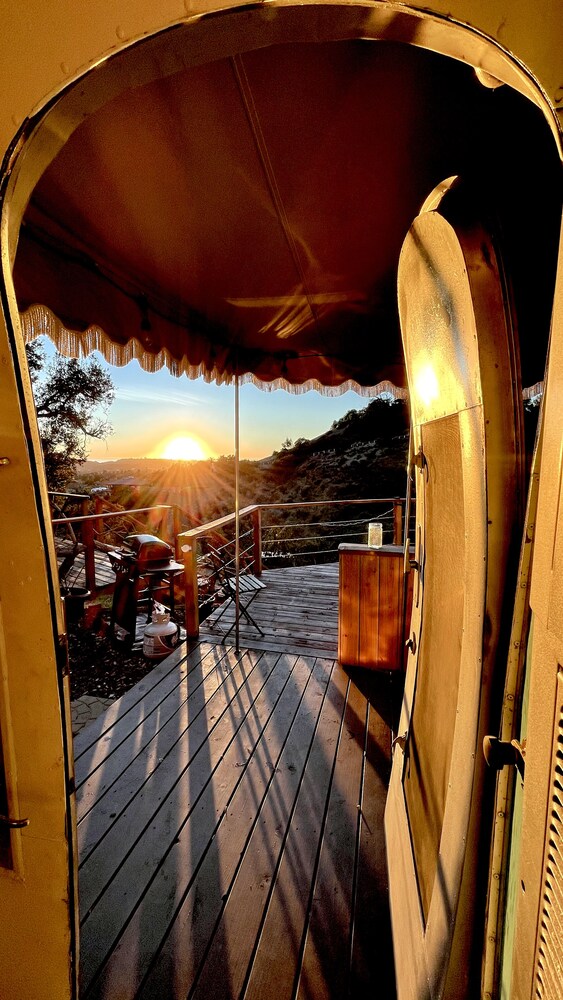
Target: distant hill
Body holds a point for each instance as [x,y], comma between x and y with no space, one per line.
[362,455]
[120,467]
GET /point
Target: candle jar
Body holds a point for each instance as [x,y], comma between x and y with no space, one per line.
[375,534]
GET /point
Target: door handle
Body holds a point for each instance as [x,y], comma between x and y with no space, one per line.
[13,824]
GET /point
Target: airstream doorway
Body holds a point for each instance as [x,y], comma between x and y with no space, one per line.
[77,71]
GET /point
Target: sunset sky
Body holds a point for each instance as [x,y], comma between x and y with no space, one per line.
[151,408]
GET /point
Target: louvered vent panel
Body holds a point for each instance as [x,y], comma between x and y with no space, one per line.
[549,967]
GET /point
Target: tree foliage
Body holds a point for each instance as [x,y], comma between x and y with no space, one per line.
[72,399]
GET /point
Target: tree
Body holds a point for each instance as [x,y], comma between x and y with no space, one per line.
[72,399]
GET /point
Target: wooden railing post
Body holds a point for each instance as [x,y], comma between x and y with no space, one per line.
[164,529]
[188,551]
[397,522]
[257,540]
[98,523]
[89,554]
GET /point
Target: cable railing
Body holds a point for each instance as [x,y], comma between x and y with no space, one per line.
[272,535]
[79,537]
[279,542]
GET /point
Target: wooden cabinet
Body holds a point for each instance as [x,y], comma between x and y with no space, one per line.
[370,607]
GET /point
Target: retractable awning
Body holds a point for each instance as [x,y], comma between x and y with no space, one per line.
[245,216]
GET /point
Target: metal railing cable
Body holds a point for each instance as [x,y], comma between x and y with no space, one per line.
[279,545]
[277,535]
[306,553]
[265,545]
[318,524]
[336,534]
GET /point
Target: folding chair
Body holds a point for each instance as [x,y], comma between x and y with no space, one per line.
[249,586]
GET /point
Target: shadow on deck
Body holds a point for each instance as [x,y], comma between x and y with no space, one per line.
[230,828]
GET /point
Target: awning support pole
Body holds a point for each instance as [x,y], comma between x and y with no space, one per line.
[237,517]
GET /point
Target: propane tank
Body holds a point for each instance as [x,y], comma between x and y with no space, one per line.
[161,636]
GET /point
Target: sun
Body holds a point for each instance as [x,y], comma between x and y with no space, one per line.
[182,448]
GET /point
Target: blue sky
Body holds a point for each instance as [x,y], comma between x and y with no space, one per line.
[150,408]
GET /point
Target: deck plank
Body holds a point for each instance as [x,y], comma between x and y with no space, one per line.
[144,878]
[146,693]
[297,610]
[222,850]
[125,819]
[76,575]
[152,733]
[276,961]
[372,923]
[247,760]
[234,940]
[327,947]
[194,927]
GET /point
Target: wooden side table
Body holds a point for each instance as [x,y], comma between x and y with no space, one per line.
[370,606]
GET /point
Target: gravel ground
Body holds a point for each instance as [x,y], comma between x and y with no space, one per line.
[97,668]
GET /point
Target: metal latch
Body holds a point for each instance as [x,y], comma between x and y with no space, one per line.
[13,824]
[500,753]
[401,740]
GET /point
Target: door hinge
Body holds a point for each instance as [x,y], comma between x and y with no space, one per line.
[420,461]
[411,644]
[62,654]
[500,753]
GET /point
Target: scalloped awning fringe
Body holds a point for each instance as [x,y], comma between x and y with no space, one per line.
[38,321]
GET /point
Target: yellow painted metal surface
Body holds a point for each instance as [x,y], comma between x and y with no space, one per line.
[505,846]
[547,657]
[37,897]
[444,361]
[45,48]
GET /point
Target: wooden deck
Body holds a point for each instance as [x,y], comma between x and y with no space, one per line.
[297,611]
[230,827]
[76,576]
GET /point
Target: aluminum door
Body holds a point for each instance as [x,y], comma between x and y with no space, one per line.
[466,414]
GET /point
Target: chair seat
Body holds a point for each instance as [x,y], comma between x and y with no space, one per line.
[248,587]
[247,583]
